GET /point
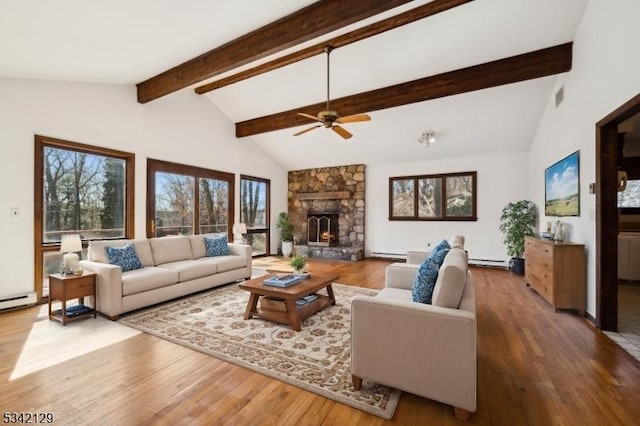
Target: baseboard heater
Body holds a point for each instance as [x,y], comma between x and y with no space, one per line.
[386,255]
[15,301]
[489,263]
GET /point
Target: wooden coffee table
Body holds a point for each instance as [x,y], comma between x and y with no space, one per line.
[294,314]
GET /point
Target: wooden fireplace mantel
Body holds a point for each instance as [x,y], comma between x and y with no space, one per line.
[336,195]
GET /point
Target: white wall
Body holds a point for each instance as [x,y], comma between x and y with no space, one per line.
[501,179]
[604,75]
[183,128]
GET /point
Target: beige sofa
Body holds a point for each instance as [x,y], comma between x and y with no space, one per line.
[428,350]
[172,267]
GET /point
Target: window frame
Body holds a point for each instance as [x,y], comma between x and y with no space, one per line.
[154,166]
[40,247]
[267,229]
[416,205]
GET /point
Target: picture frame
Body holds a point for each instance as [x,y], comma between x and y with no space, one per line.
[562,187]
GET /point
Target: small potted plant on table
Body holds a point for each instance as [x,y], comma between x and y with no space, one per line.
[297,262]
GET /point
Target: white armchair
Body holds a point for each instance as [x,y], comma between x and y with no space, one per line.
[428,350]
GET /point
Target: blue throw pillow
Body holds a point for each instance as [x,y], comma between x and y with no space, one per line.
[444,244]
[438,256]
[425,281]
[125,257]
[216,246]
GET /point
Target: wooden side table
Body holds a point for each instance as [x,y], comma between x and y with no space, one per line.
[64,287]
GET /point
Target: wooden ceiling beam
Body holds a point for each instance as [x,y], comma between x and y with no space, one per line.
[399,20]
[527,66]
[302,25]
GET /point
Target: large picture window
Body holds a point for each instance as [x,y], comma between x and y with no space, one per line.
[79,189]
[449,196]
[254,212]
[186,200]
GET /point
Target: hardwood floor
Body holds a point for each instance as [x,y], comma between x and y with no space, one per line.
[535,367]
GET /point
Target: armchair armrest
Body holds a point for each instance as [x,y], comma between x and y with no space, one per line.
[400,275]
[108,286]
[423,349]
[417,257]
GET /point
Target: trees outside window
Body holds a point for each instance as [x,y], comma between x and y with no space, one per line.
[254,212]
[79,189]
[186,200]
[449,196]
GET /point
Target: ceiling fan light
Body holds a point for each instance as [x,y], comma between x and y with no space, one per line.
[427,138]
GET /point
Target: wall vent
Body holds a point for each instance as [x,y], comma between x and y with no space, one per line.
[492,263]
[559,96]
[15,301]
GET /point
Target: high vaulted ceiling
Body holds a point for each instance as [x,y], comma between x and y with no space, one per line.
[129,42]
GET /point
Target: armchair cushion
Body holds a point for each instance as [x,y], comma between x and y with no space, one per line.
[427,274]
[425,281]
[451,280]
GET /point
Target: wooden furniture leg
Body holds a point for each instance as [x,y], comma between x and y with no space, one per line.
[294,319]
[357,382]
[251,306]
[461,414]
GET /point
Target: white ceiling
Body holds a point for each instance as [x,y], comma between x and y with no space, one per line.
[128,41]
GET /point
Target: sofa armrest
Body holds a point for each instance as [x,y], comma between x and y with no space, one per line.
[108,287]
[417,257]
[423,349]
[243,250]
[400,275]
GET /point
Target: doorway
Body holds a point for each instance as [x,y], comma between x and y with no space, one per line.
[608,158]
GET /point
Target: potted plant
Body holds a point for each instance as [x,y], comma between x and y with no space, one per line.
[286,233]
[297,262]
[517,221]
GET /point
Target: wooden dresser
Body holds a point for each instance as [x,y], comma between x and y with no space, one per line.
[556,270]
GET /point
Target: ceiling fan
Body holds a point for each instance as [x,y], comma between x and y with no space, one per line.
[330,119]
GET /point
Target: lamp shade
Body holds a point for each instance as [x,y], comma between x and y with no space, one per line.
[71,243]
[239,228]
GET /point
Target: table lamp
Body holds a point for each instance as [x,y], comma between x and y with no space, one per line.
[238,230]
[69,245]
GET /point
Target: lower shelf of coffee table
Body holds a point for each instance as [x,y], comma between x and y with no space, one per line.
[302,312]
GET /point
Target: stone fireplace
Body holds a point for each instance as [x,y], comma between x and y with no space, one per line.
[326,206]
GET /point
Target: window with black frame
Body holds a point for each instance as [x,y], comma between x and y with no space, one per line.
[450,196]
[254,213]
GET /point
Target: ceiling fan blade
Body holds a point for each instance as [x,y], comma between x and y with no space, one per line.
[307,129]
[341,131]
[309,116]
[354,118]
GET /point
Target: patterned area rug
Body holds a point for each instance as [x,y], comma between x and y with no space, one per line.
[317,358]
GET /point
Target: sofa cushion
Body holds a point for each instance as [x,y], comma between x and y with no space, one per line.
[149,278]
[190,269]
[225,263]
[216,246]
[97,253]
[394,294]
[170,249]
[451,280]
[125,257]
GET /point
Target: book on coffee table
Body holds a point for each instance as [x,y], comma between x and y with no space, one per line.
[283,280]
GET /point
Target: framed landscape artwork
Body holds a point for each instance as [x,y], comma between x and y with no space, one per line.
[562,187]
